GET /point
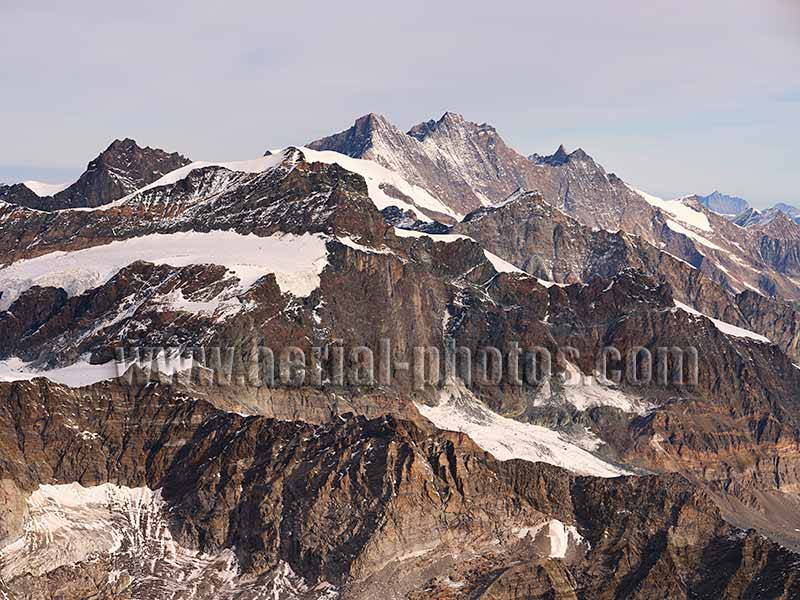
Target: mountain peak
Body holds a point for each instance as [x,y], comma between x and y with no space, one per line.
[357,140]
[559,157]
[452,117]
[371,121]
[780,226]
[728,206]
[124,143]
[449,121]
[788,209]
[122,168]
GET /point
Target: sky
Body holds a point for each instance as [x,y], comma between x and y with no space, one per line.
[675,97]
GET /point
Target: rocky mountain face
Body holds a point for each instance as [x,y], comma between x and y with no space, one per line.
[119,170]
[221,478]
[547,243]
[467,166]
[464,164]
[302,511]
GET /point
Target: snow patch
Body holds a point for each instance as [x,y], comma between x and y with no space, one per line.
[378,177]
[506,439]
[559,538]
[587,391]
[678,228]
[42,189]
[725,328]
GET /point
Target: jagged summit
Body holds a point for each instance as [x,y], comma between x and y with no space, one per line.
[560,157]
[122,168]
[463,164]
[449,121]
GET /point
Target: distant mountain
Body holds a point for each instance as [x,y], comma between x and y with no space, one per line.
[724,204]
[754,217]
[789,210]
[119,170]
[463,164]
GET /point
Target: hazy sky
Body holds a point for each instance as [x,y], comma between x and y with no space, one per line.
[676,97]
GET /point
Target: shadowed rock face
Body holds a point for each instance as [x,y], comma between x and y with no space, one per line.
[119,170]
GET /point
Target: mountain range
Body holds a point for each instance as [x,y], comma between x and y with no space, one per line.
[157,481]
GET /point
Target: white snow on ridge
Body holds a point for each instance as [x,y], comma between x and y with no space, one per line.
[500,264]
[678,228]
[257,165]
[505,438]
[683,213]
[42,189]
[295,260]
[436,237]
[78,374]
[724,327]
[377,177]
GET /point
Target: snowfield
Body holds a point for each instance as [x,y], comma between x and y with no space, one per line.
[505,439]
[296,261]
[587,391]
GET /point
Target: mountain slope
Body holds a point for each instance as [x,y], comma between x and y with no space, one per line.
[463,164]
[197,476]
